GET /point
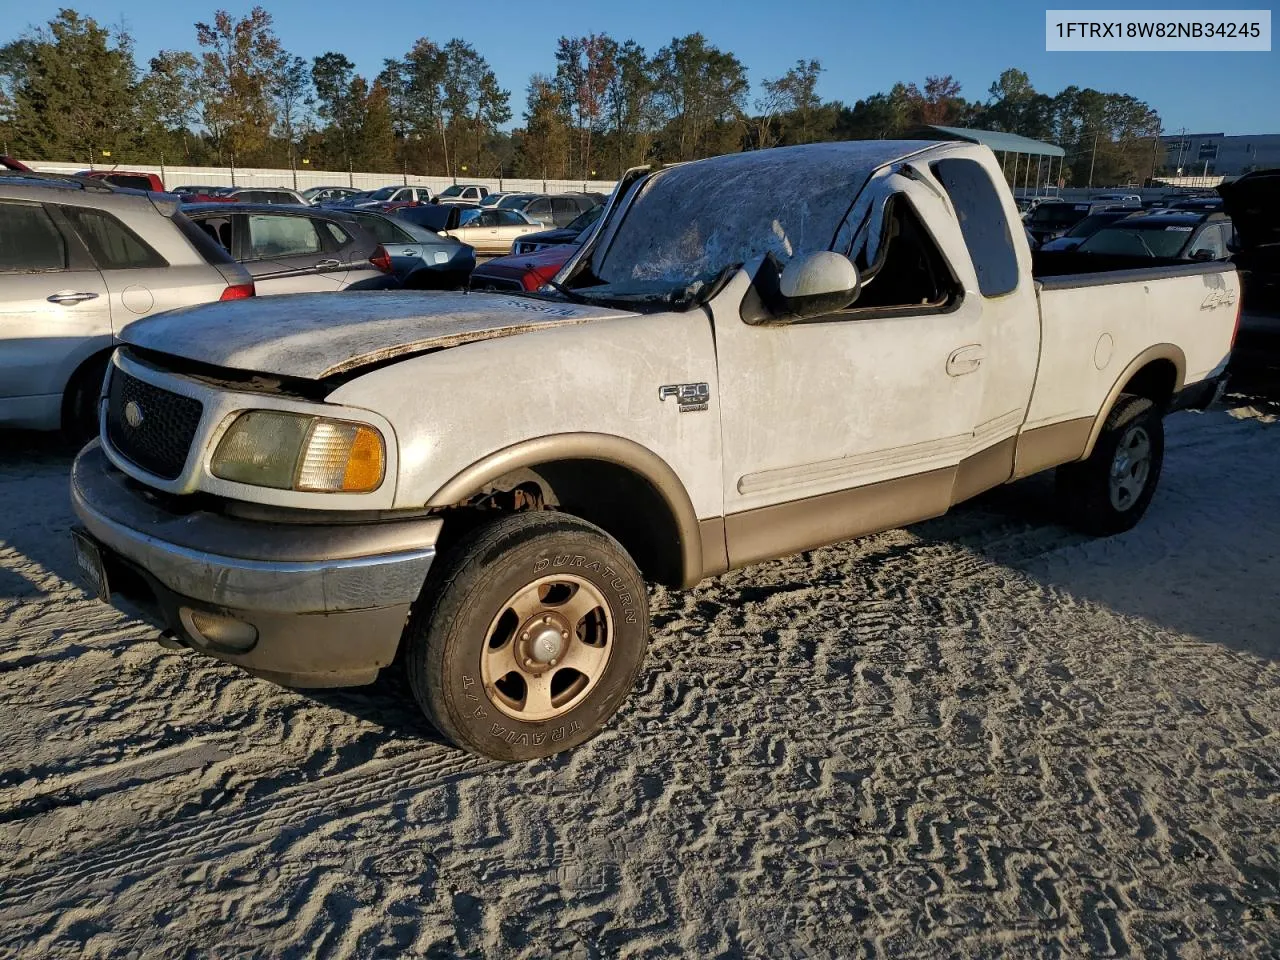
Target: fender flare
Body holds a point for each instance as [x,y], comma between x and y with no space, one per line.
[625,453]
[1160,351]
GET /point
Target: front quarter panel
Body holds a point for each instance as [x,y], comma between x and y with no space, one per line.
[453,408]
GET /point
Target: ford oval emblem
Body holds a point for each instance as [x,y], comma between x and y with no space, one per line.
[133,414]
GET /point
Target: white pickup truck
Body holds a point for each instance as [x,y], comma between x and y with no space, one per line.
[753,355]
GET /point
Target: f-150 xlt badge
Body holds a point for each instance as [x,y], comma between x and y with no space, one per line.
[690,397]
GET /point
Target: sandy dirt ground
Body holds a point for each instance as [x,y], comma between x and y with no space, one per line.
[980,736]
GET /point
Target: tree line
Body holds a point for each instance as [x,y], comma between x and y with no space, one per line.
[73,90]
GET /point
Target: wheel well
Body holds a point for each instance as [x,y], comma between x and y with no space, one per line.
[618,500]
[87,366]
[1156,381]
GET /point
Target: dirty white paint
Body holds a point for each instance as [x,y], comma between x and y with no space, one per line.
[795,410]
[318,335]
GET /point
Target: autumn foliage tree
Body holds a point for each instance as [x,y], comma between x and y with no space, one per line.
[240,65]
[71,90]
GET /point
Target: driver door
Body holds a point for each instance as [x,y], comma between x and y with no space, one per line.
[856,421]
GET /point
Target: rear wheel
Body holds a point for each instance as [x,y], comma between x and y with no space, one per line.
[529,637]
[1111,490]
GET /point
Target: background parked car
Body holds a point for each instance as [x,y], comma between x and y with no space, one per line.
[463,193]
[1052,219]
[1253,202]
[319,195]
[1131,200]
[196,193]
[522,271]
[126,178]
[1169,235]
[421,259]
[572,234]
[490,231]
[1026,204]
[272,195]
[1084,229]
[382,196]
[1203,204]
[550,210]
[304,250]
[80,260]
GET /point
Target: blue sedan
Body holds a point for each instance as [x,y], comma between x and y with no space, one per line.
[420,258]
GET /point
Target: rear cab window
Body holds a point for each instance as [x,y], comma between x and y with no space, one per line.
[983,224]
[30,241]
[112,245]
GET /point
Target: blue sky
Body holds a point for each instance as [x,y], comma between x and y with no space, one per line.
[864,47]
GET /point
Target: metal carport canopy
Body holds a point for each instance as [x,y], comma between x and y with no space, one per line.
[1003,144]
[997,141]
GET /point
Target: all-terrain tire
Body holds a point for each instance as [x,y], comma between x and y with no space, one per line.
[468,594]
[1102,495]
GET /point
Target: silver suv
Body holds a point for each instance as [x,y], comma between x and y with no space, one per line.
[79,261]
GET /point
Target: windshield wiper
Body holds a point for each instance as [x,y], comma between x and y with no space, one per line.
[573,295]
[1145,246]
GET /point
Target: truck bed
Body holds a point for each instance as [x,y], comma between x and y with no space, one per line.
[1095,323]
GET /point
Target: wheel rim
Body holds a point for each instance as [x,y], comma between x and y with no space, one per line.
[547,648]
[1130,468]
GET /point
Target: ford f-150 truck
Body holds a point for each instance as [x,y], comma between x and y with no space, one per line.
[752,356]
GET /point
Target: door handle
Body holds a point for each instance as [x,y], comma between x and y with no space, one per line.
[71,296]
[965,359]
[328,264]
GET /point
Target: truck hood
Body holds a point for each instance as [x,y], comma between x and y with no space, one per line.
[1253,203]
[316,335]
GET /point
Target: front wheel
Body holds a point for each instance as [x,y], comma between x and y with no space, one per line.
[1111,490]
[528,637]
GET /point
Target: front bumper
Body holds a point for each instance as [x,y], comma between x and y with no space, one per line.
[328,601]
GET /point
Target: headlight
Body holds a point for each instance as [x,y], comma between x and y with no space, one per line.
[291,451]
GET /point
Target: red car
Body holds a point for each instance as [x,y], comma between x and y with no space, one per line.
[9,163]
[522,271]
[126,178]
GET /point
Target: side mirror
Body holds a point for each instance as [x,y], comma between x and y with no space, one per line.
[1202,255]
[809,286]
[818,283]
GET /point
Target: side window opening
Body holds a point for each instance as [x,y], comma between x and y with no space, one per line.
[910,271]
[908,276]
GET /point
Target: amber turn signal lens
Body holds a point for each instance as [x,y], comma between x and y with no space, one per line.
[341,456]
[364,462]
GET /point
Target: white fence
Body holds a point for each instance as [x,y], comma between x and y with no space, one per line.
[306,177]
